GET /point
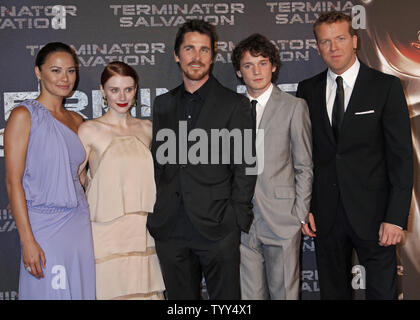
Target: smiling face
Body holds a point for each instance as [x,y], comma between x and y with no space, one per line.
[256,73]
[336,45]
[58,74]
[120,92]
[195,57]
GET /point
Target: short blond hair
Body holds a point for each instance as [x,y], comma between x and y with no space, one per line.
[332,17]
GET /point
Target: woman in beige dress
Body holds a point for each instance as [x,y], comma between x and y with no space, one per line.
[120,190]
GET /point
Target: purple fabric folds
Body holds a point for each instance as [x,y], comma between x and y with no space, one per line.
[48,179]
[57,210]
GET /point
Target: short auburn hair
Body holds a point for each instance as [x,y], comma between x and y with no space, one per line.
[118,68]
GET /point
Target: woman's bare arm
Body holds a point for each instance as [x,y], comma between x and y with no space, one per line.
[16,139]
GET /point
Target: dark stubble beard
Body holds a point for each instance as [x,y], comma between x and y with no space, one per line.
[196,76]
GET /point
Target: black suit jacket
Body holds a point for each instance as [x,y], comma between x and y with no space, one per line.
[216,197]
[371,167]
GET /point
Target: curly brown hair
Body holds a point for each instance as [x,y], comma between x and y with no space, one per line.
[257,45]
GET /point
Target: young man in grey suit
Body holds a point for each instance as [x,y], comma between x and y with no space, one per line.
[270,252]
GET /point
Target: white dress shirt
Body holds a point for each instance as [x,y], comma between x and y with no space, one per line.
[261,102]
[349,79]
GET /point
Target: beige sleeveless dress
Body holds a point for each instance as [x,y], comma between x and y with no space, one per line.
[120,195]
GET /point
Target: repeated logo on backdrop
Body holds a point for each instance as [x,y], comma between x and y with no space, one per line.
[304,12]
[309,275]
[175,14]
[8,295]
[7,224]
[100,54]
[36,16]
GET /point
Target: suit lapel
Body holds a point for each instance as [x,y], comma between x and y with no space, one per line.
[176,111]
[361,84]
[321,95]
[270,108]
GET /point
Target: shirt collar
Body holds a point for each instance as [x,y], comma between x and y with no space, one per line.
[263,98]
[201,92]
[349,76]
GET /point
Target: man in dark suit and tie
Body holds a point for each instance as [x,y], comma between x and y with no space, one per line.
[363,168]
[201,207]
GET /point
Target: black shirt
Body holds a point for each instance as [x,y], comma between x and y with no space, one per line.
[192,103]
[189,110]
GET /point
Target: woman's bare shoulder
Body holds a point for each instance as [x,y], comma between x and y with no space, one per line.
[145,123]
[20,112]
[91,128]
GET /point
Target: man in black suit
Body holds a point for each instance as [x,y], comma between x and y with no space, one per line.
[201,207]
[363,169]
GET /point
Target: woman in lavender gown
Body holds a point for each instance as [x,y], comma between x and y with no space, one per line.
[42,156]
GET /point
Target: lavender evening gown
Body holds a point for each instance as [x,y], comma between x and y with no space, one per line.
[58,211]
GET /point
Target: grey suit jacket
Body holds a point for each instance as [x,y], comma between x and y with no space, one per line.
[283,189]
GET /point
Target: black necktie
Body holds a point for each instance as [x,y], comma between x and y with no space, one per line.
[338,108]
[254,114]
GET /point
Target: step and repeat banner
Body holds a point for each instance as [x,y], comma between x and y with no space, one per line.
[142,33]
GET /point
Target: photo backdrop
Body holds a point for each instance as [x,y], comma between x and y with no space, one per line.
[142,33]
